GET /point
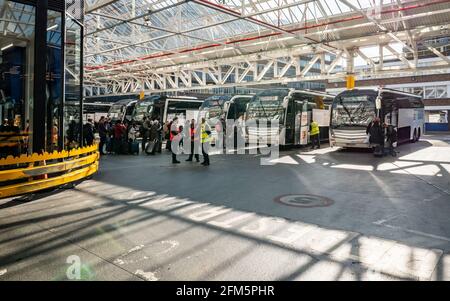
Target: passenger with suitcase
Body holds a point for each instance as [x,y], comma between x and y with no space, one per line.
[376,137]
[103,134]
[133,145]
[194,140]
[174,140]
[145,129]
[154,138]
[391,138]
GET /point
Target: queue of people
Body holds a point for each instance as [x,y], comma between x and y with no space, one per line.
[115,137]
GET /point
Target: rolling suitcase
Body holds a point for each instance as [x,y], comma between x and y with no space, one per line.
[134,147]
[124,147]
[151,147]
[378,151]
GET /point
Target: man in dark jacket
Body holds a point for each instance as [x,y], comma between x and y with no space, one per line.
[88,132]
[174,139]
[194,139]
[391,138]
[103,133]
[376,134]
[145,127]
[154,135]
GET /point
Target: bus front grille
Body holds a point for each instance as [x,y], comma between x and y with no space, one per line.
[266,134]
[349,136]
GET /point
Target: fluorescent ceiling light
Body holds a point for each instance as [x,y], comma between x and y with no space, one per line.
[52,27]
[284,39]
[7,46]
[259,43]
[206,52]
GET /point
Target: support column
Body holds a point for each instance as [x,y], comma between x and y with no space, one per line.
[448,119]
[39,84]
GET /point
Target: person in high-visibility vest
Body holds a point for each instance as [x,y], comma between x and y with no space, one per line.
[205,131]
[194,138]
[314,134]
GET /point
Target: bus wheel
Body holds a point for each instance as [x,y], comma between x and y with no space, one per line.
[418,135]
[414,139]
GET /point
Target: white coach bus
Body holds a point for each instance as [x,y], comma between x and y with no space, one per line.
[353,110]
[292,109]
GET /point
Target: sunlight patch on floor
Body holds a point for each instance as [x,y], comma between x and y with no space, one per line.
[423,170]
[429,154]
[307,158]
[380,258]
[354,167]
[285,160]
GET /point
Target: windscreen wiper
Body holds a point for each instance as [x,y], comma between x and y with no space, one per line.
[264,110]
[346,110]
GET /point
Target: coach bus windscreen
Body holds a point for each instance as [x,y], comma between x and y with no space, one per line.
[213,109]
[267,105]
[116,111]
[352,111]
[142,110]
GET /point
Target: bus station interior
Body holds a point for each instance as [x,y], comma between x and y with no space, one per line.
[262,210]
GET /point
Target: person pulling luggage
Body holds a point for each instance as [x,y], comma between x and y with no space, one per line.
[145,128]
[376,136]
[174,140]
[391,138]
[154,133]
[133,145]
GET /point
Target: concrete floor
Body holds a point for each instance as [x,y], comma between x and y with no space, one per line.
[142,218]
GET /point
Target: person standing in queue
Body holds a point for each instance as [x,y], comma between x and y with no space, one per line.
[88,132]
[315,132]
[174,139]
[145,129]
[205,136]
[391,138]
[376,136]
[102,131]
[194,139]
[154,135]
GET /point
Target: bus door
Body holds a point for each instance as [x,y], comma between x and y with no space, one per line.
[289,121]
[231,112]
[129,109]
[239,106]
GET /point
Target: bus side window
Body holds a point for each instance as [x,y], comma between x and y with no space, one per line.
[290,113]
[232,111]
[239,106]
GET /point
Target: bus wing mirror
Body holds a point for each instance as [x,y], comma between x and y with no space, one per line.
[378,103]
[226,106]
[285,102]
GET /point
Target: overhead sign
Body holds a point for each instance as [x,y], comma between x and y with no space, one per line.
[350,82]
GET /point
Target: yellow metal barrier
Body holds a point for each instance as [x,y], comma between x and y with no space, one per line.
[35,172]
